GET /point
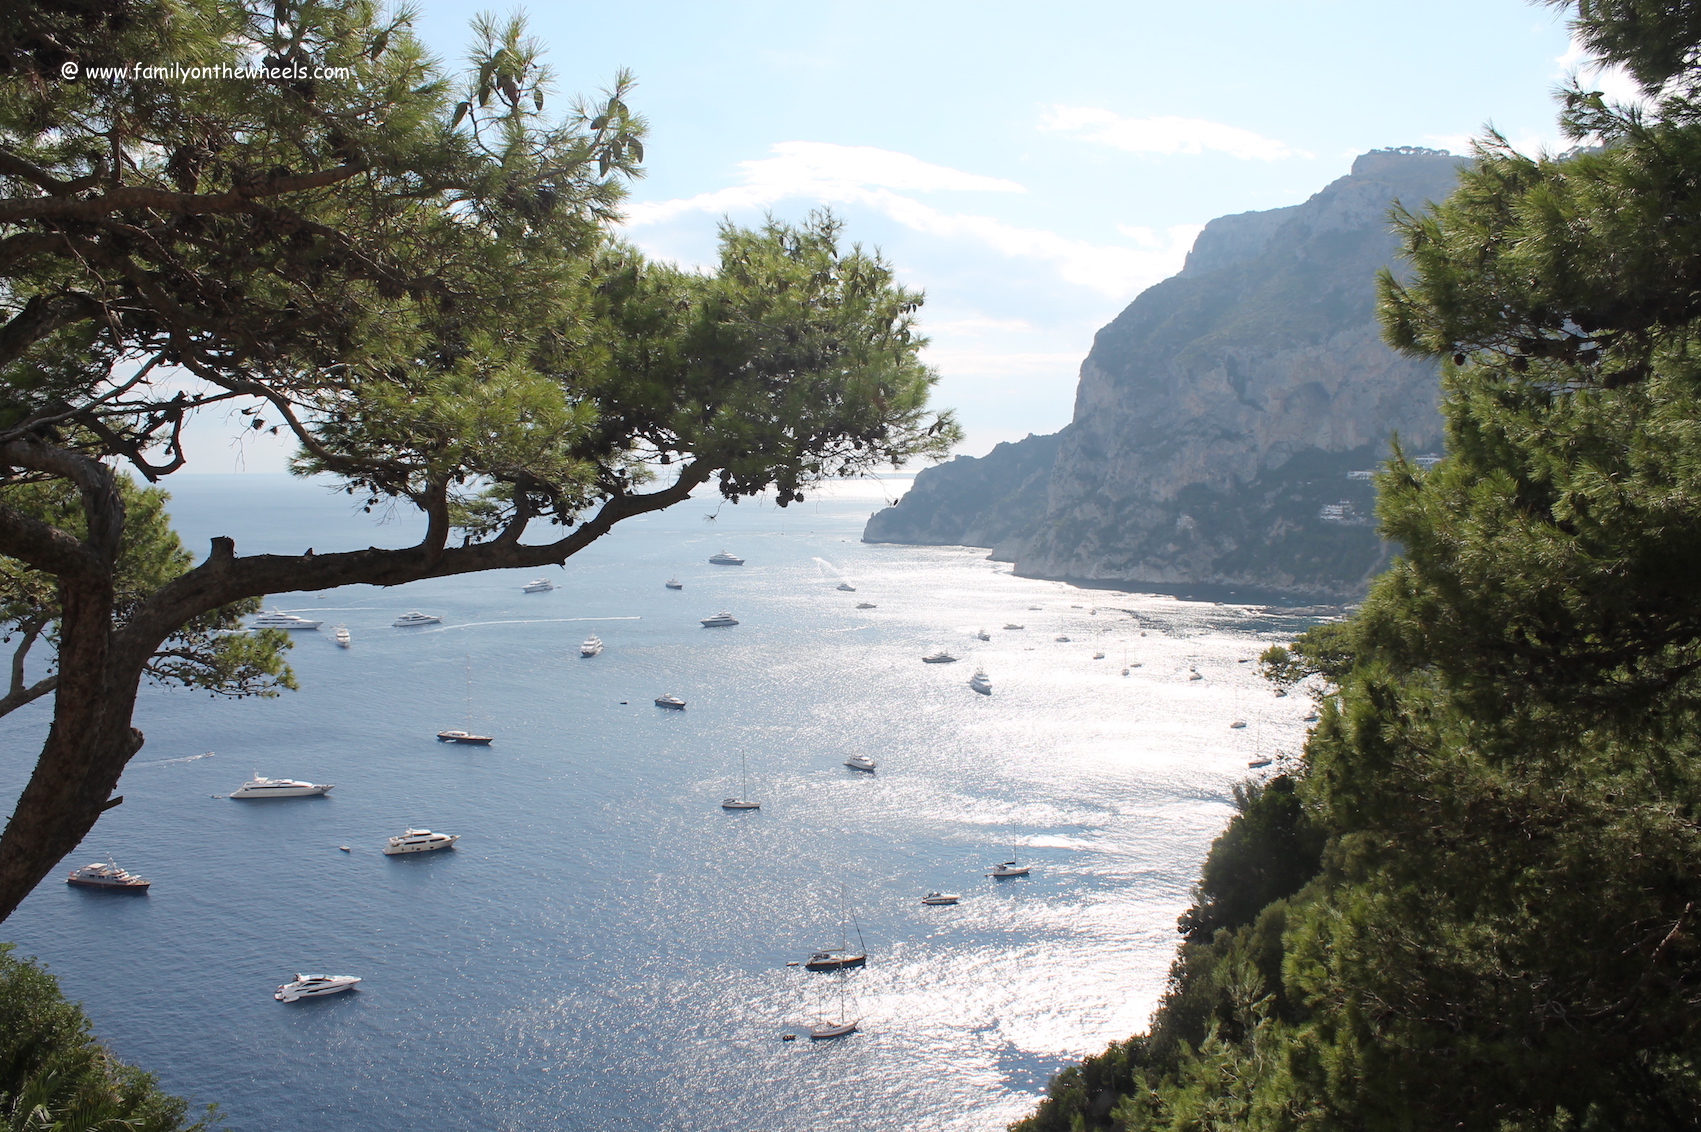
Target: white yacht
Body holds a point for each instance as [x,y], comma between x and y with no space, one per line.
[673,702]
[314,986]
[409,620]
[847,587]
[259,787]
[592,646]
[419,841]
[273,619]
[456,735]
[983,635]
[1013,625]
[1195,676]
[941,898]
[1008,869]
[861,762]
[725,559]
[719,620]
[343,639]
[108,876]
[541,586]
[1098,656]
[981,682]
[674,584]
[940,657]
[1237,725]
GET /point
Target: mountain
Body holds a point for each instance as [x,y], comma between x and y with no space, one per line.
[1221,418]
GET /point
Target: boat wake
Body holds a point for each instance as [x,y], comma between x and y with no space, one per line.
[168,762]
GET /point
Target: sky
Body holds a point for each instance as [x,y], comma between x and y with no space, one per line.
[1031,168]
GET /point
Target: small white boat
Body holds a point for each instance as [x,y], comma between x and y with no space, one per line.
[314,986]
[725,559]
[1008,869]
[720,620]
[1280,692]
[940,657]
[981,682]
[1061,640]
[592,646]
[983,635]
[409,620]
[1194,676]
[1036,607]
[1237,725]
[419,841]
[259,787]
[847,587]
[107,876]
[541,586]
[1312,718]
[343,639]
[1098,656]
[866,605]
[673,702]
[1259,763]
[861,762]
[273,619]
[941,898]
[1013,625]
[457,735]
[674,584]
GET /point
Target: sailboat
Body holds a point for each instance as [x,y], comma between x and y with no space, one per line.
[456,735]
[841,957]
[742,802]
[1009,868]
[835,1027]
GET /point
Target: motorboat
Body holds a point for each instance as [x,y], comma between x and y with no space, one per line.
[274,619]
[343,639]
[1098,656]
[674,584]
[1013,625]
[409,620]
[541,586]
[742,802]
[107,876]
[1036,608]
[315,986]
[940,657]
[1237,725]
[860,762]
[981,682]
[720,620]
[592,646]
[983,635]
[1195,676]
[419,841]
[1281,692]
[866,605]
[457,735]
[1312,718]
[1259,763]
[846,587]
[673,702]
[258,787]
[1061,640]
[725,559]
[941,898]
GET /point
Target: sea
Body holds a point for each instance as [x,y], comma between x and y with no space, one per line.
[606,947]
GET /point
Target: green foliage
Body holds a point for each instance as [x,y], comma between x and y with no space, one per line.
[55,1077]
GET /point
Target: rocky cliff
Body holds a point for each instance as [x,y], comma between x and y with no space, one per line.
[1219,417]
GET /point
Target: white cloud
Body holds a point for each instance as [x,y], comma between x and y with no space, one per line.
[825,172]
[1614,82]
[861,175]
[1165,134]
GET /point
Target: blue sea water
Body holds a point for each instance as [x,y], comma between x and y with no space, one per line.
[606,948]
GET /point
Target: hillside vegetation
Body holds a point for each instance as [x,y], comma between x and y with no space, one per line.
[1475,904]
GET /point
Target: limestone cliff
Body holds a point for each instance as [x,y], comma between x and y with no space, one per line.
[974,502]
[1219,416]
